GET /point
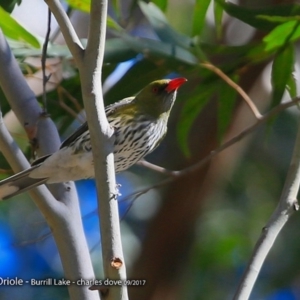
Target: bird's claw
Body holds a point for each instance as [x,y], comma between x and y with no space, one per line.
[118,185]
[117,193]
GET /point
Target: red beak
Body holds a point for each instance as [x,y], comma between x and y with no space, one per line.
[174,84]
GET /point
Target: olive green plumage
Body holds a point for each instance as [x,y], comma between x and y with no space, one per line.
[139,123]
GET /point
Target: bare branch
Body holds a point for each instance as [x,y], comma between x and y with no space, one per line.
[62,216]
[156,168]
[44,58]
[174,175]
[235,86]
[286,207]
[89,63]
[62,91]
[102,140]
[67,30]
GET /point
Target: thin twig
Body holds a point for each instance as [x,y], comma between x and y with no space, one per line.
[153,167]
[76,114]
[235,86]
[69,110]
[6,171]
[44,58]
[174,175]
[34,241]
[63,91]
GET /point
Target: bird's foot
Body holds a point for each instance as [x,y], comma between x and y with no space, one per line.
[117,193]
[118,185]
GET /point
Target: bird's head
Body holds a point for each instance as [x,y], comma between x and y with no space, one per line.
[158,97]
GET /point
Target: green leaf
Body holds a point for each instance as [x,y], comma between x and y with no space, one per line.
[227,99]
[199,16]
[258,53]
[291,86]
[12,29]
[167,53]
[253,16]
[20,50]
[116,51]
[162,4]
[9,5]
[282,69]
[281,35]
[83,5]
[117,7]
[278,19]
[161,26]
[218,14]
[190,111]
[111,23]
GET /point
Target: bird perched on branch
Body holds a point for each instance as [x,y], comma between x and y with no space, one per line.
[140,124]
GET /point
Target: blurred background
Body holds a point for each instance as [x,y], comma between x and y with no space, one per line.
[191,238]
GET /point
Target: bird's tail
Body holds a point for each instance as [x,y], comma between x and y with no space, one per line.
[19,183]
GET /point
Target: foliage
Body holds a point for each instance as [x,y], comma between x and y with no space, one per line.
[9,5]
[173,52]
[183,54]
[15,31]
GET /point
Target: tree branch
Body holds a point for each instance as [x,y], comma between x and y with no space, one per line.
[286,207]
[63,217]
[235,86]
[102,139]
[175,175]
[67,30]
[156,168]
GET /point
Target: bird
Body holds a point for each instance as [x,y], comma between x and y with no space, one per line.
[139,123]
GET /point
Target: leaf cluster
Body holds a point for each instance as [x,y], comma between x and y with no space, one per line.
[174,52]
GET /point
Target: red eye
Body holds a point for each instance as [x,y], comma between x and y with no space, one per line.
[155,90]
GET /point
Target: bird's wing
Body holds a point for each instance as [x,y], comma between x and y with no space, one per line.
[39,160]
[19,183]
[83,128]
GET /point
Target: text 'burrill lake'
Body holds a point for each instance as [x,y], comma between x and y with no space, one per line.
[66,282]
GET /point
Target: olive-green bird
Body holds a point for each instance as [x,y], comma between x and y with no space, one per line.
[140,124]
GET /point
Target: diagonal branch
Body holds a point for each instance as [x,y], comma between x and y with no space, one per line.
[235,86]
[286,207]
[63,216]
[67,30]
[174,175]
